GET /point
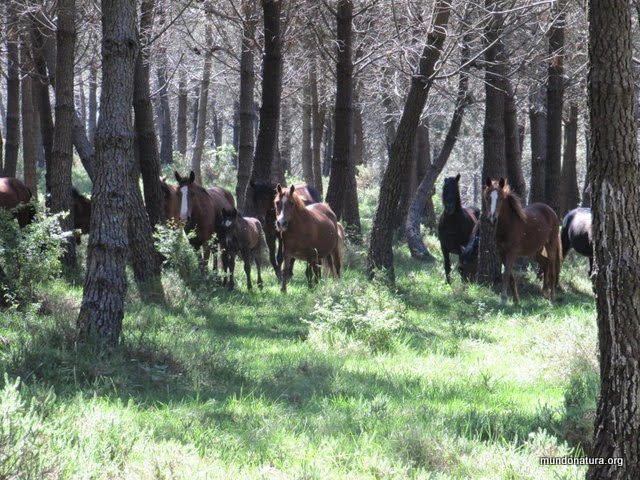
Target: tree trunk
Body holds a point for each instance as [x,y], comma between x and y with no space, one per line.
[198,145]
[570,191]
[555,94]
[182,114]
[147,142]
[342,193]
[12,140]
[28,114]
[285,139]
[266,143]
[493,135]
[318,114]
[306,154]
[424,192]
[62,152]
[102,309]
[247,109]
[166,129]
[92,110]
[538,123]
[614,172]
[380,255]
[513,149]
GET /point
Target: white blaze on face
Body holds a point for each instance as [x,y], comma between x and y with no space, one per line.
[184,206]
[494,202]
[281,217]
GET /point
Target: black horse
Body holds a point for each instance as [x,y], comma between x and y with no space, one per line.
[263,195]
[457,223]
[576,233]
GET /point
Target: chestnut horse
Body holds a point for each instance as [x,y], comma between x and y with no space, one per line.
[263,195]
[308,232]
[576,233]
[457,223]
[16,195]
[199,210]
[241,236]
[531,231]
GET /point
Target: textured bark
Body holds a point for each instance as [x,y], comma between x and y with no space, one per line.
[570,193]
[614,173]
[102,309]
[203,100]
[555,98]
[538,125]
[493,135]
[181,139]
[28,114]
[147,142]
[422,199]
[513,148]
[318,114]
[12,140]
[267,140]
[92,107]
[342,193]
[285,139]
[306,155]
[62,152]
[166,128]
[380,254]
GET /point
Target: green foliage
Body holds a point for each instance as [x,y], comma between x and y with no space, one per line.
[580,401]
[29,256]
[357,313]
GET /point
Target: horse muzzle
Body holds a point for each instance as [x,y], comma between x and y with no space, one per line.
[281,226]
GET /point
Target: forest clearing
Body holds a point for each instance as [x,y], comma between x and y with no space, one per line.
[342,239]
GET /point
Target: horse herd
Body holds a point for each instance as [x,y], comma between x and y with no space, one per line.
[294,223]
[520,231]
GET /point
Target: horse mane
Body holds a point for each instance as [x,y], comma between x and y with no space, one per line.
[515,202]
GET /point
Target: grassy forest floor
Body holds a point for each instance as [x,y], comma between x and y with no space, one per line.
[349,380]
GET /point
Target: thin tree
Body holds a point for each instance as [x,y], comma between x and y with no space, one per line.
[12,140]
[102,309]
[538,127]
[181,140]
[166,130]
[570,195]
[203,101]
[28,116]
[380,254]
[62,152]
[614,173]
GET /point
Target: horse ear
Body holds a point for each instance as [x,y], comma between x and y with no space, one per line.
[192,176]
[292,190]
[502,182]
[488,181]
[279,188]
[234,212]
[177,175]
[458,178]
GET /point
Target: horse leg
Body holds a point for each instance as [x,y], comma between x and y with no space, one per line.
[230,260]
[316,272]
[284,273]
[206,253]
[545,265]
[258,260]
[309,274]
[246,258]
[271,245]
[506,279]
[514,289]
[447,263]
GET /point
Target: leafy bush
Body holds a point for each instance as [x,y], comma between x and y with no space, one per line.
[179,255]
[29,256]
[358,313]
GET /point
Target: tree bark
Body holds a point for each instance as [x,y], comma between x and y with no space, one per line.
[198,145]
[92,110]
[342,193]
[147,142]
[538,125]
[570,192]
[614,172]
[555,95]
[267,140]
[493,135]
[28,114]
[102,309]
[62,152]
[306,154]
[380,255]
[318,114]
[12,140]
[181,144]
[513,149]
[166,136]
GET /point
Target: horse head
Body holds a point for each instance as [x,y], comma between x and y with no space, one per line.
[494,194]
[185,195]
[451,194]
[285,204]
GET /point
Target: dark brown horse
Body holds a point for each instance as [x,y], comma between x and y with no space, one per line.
[199,211]
[241,236]
[81,213]
[531,231]
[310,233]
[457,223]
[15,195]
[263,195]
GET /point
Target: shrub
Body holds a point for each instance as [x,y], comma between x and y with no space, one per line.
[179,255]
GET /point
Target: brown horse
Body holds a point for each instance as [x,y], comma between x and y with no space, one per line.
[263,195]
[171,201]
[16,195]
[241,236]
[531,231]
[310,233]
[199,210]
[81,213]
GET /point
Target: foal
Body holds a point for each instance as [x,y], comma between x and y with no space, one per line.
[241,236]
[531,231]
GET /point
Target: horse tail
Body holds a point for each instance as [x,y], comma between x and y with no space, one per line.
[333,262]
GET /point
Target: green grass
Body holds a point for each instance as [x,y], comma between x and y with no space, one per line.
[351,379]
